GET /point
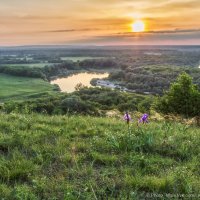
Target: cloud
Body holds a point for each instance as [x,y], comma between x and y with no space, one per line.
[175,5]
[71,30]
[110,20]
[26,16]
[163,32]
[184,36]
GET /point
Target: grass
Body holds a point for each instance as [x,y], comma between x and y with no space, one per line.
[31,65]
[19,88]
[80,58]
[74,157]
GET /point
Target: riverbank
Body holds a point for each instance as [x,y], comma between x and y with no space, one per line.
[69,83]
[112,85]
[67,73]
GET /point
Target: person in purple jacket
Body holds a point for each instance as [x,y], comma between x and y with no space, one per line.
[127,117]
[144,119]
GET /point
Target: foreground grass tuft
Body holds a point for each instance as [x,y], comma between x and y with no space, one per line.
[74,157]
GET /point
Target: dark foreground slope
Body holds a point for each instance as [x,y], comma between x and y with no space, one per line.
[96,158]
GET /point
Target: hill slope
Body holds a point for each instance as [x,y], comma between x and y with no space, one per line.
[76,157]
[20,88]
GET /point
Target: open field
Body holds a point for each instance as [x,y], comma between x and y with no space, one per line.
[75,59]
[38,65]
[20,88]
[76,157]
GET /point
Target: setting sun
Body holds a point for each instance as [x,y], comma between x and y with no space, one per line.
[138,26]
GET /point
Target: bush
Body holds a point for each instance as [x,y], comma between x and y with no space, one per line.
[74,104]
[145,105]
[183,98]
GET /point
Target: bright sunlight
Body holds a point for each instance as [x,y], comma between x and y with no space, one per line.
[138,26]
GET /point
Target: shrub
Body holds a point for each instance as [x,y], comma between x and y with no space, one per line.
[183,98]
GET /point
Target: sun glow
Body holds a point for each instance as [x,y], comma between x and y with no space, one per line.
[138,26]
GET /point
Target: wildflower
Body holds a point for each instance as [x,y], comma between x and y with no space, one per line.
[144,118]
[127,117]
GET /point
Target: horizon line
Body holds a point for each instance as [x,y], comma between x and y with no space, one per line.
[91,45]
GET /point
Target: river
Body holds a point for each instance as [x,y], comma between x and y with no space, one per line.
[68,84]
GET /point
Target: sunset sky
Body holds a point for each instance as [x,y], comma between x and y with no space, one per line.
[99,22]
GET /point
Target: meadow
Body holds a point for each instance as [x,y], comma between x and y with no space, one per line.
[20,88]
[76,157]
[31,65]
[79,58]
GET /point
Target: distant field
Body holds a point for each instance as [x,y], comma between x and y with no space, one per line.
[18,88]
[75,59]
[38,65]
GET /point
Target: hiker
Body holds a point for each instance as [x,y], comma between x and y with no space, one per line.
[144,119]
[127,117]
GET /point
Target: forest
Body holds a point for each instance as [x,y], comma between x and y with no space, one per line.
[144,71]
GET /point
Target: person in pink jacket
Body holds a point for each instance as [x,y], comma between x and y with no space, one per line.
[127,117]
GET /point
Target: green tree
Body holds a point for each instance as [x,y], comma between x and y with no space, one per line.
[79,86]
[183,97]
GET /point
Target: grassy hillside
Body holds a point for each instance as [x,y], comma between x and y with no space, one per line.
[62,157]
[18,88]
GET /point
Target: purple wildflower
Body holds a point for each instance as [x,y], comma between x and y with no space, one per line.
[127,117]
[144,118]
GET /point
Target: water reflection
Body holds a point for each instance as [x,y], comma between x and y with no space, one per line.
[68,84]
